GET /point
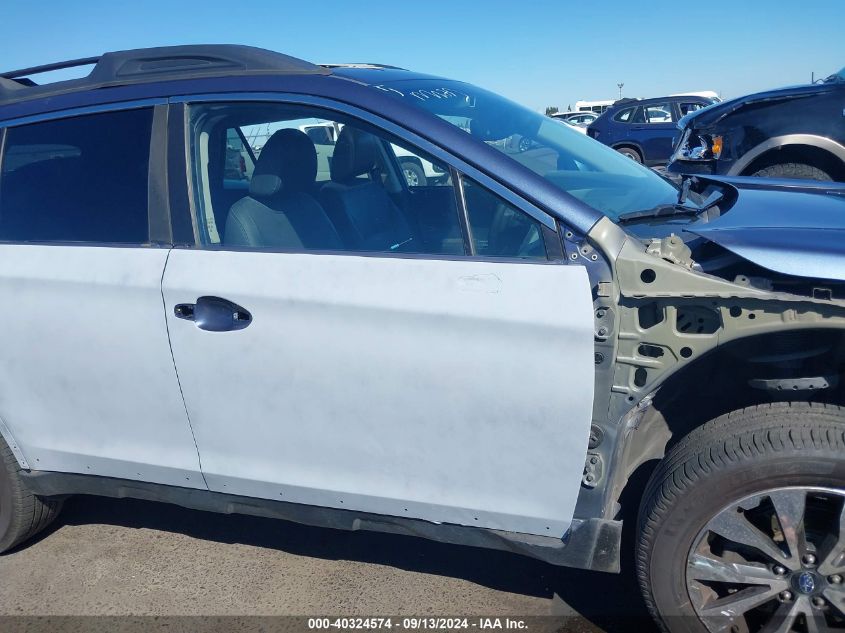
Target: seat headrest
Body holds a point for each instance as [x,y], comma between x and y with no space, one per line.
[355,153]
[288,161]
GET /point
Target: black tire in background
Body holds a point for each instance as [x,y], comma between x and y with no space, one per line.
[631,153]
[792,170]
[22,514]
[732,458]
[414,174]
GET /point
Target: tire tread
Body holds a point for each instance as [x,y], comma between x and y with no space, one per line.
[792,170]
[739,436]
[30,513]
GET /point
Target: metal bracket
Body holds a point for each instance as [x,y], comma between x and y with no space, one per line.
[795,384]
[605,318]
[593,470]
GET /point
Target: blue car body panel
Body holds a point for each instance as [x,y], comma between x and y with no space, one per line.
[799,233]
[653,140]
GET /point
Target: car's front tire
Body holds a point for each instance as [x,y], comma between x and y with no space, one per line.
[792,170]
[742,525]
[22,514]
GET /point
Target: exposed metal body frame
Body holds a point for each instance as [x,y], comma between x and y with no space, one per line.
[630,373]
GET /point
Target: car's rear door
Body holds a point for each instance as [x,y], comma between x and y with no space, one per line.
[86,374]
[425,383]
[654,132]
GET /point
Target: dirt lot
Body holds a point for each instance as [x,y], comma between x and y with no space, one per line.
[110,557]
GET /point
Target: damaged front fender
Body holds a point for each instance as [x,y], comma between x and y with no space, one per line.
[666,316]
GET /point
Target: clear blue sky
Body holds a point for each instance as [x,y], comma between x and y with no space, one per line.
[536,52]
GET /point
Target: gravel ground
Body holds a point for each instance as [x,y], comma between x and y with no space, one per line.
[126,557]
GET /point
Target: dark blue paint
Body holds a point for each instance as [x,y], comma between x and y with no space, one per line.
[354,87]
[653,141]
[746,122]
[789,226]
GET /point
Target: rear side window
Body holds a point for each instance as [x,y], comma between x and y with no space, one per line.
[659,113]
[80,179]
[638,116]
[625,115]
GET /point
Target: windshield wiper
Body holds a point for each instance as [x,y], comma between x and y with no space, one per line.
[659,211]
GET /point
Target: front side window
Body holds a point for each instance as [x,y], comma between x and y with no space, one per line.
[321,181]
[686,108]
[498,228]
[79,179]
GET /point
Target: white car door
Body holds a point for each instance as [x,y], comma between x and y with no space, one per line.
[431,386]
[88,381]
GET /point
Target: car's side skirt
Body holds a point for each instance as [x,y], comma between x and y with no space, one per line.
[591,544]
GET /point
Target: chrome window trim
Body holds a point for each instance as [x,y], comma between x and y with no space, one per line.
[400,132]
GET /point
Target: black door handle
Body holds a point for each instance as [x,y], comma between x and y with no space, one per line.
[214,314]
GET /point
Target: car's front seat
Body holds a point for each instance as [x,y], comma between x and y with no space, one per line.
[279,211]
[361,209]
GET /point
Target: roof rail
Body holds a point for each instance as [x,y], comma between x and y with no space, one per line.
[363,65]
[154,64]
[23,72]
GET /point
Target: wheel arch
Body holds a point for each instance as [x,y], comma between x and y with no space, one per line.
[817,151]
[679,405]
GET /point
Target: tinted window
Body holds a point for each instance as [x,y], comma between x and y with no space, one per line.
[638,116]
[625,115]
[498,228]
[81,179]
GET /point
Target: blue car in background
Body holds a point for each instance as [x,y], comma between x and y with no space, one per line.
[644,129]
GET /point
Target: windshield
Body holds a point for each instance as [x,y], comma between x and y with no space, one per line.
[840,76]
[573,162]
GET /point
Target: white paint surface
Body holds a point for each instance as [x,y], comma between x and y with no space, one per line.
[87,382]
[453,391]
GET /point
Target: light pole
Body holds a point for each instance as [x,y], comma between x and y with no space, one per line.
[620,89]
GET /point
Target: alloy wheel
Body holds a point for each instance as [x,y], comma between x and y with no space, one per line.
[772,562]
[411,177]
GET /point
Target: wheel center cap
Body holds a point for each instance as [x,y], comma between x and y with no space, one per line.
[806,582]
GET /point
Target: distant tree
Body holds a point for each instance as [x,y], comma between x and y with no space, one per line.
[551,110]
